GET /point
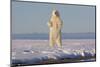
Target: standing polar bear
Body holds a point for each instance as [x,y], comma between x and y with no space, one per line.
[55,25]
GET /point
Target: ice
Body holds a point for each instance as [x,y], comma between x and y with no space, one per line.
[37,51]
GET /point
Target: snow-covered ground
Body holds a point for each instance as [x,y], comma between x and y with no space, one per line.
[38,51]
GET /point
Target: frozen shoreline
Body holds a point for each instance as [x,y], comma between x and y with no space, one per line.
[36,51]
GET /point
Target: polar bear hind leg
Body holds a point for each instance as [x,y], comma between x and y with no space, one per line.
[52,41]
[58,42]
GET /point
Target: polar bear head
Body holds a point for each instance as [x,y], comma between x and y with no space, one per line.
[55,13]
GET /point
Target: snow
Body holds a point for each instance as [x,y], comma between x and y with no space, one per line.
[37,51]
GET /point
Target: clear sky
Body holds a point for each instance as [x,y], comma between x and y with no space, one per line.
[28,18]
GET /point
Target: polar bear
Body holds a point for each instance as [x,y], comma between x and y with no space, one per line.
[55,25]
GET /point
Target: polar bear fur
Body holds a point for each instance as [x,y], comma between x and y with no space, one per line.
[55,25]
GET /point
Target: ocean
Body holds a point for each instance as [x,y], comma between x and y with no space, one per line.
[44,36]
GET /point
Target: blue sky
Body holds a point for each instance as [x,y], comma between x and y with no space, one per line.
[28,18]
